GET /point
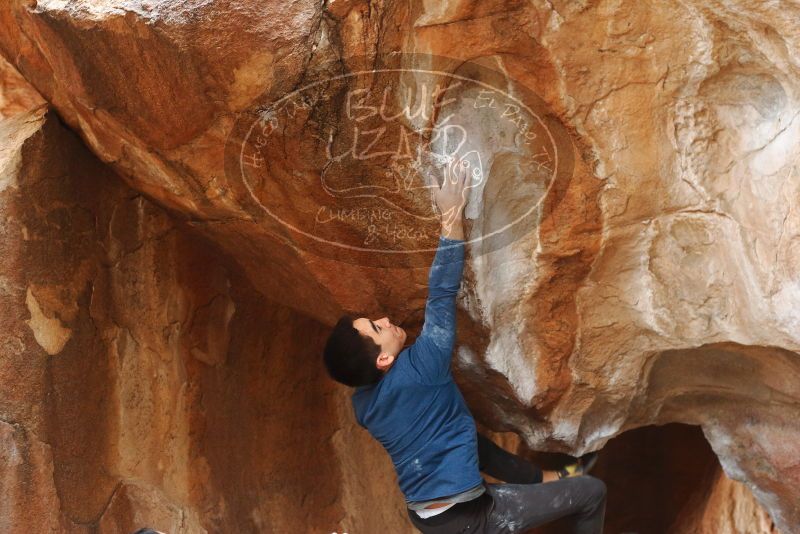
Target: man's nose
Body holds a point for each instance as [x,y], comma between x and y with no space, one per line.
[385,322]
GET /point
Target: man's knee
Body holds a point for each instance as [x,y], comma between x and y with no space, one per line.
[596,488]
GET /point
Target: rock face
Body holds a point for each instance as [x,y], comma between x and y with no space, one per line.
[633,259]
[143,380]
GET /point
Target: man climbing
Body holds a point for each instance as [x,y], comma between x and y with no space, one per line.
[407,399]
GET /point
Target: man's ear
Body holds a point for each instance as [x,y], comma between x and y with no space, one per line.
[384,361]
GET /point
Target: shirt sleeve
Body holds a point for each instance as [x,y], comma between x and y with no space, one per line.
[431,353]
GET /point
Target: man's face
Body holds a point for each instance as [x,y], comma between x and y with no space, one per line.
[390,338]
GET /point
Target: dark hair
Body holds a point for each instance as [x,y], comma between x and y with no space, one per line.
[350,356]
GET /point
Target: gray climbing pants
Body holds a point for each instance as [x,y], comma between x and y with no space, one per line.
[518,507]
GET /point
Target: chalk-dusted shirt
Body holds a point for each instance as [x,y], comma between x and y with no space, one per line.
[416,410]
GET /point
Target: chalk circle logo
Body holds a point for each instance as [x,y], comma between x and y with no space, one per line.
[345,163]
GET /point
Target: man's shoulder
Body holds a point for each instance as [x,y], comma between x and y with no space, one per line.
[416,369]
[396,377]
[359,399]
[361,393]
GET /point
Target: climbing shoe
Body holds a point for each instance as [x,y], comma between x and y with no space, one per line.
[580,467]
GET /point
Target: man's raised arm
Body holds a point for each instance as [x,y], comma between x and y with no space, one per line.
[434,347]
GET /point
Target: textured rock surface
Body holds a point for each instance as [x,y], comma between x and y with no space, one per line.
[730,507]
[143,381]
[658,283]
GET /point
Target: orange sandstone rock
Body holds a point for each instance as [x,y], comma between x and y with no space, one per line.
[655,280]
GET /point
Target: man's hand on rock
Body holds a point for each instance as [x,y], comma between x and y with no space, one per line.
[451,200]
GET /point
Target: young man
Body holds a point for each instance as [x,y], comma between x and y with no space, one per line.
[407,399]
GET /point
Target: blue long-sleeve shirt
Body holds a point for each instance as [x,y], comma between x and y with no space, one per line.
[416,411]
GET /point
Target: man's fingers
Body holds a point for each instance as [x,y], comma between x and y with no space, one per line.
[466,170]
[454,171]
[458,174]
[462,172]
[452,189]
